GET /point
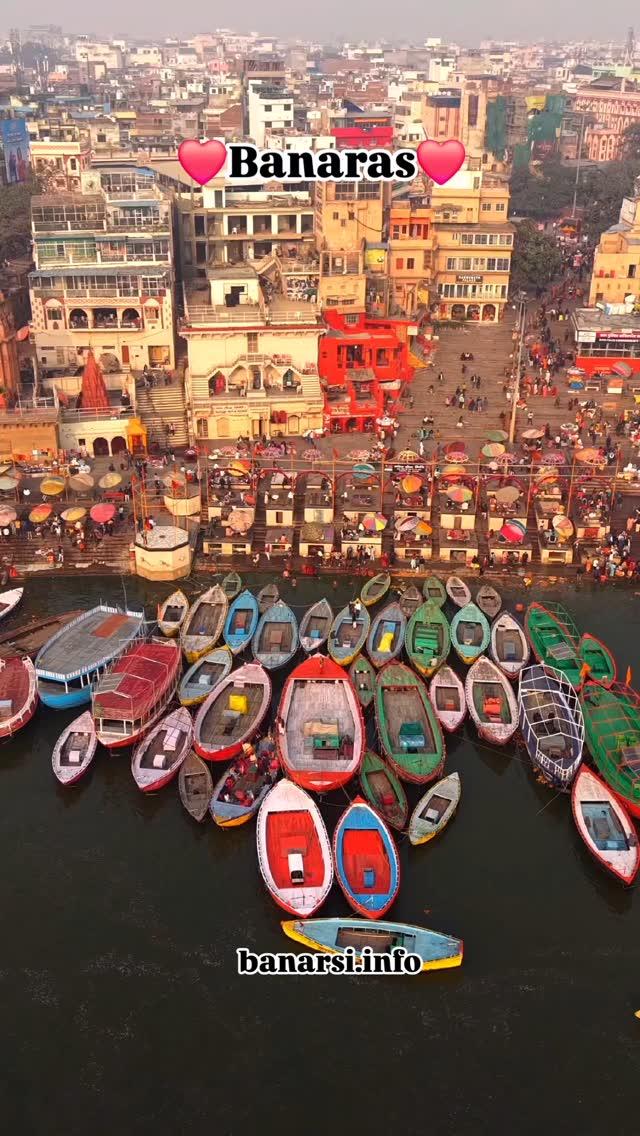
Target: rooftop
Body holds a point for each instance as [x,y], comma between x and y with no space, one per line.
[594,319]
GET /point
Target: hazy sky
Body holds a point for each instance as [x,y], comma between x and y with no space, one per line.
[468,22]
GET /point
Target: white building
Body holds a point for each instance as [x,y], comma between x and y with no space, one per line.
[270,111]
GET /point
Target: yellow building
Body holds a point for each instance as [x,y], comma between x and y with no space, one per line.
[347,214]
[410,253]
[616,263]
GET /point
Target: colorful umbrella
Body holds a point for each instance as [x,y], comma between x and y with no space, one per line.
[239,468]
[497,435]
[75,513]
[408,456]
[623,370]
[513,532]
[7,514]
[7,483]
[459,494]
[102,513]
[81,482]
[406,524]
[423,528]
[110,480]
[452,469]
[239,520]
[362,471]
[52,486]
[40,513]
[411,484]
[493,450]
[555,457]
[589,456]
[374,522]
[563,526]
[507,494]
[532,435]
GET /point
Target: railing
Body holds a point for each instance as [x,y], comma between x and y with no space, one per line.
[102,225]
[45,261]
[71,414]
[45,410]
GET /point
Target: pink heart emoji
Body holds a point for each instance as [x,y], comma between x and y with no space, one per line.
[202,160]
[441,160]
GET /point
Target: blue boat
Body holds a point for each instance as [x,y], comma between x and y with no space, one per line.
[366,859]
[276,639]
[73,659]
[333,936]
[200,679]
[241,622]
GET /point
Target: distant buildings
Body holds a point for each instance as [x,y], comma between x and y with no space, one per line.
[616,264]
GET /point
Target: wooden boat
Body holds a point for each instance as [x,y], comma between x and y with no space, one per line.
[433,589]
[203,626]
[375,588]
[458,591]
[244,785]
[333,936]
[598,658]
[233,713]
[366,860]
[75,749]
[428,639]
[276,639]
[18,694]
[319,726]
[489,601]
[386,637]
[552,643]
[9,601]
[346,640]
[409,731]
[195,786]
[409,600]
[28,638]
[76,655]
[363,678]
[158,757]
[172,613]
[384,790]
[294,853]
[551,723]
[509,647]
[267,596]
[241,622]
[204,676]
[491,701]
[315,626]
[231,585]
[470,633]
[446,692]
[134,694]
[434,811]
[605,826]
[612,732]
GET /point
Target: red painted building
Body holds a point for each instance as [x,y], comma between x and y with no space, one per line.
[608,344]
[357,129]
[363,364]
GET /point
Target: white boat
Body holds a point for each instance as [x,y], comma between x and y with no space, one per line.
[458,591]
[446,692]
[158,757]
[294,852]
[75,749]
[605,826]
[509,646]
[172,613]
[491,701]
[434,811]
[10,600]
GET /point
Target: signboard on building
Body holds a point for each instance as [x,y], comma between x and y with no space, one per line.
[15,145]
[586,337]
[469,278]
[617,335]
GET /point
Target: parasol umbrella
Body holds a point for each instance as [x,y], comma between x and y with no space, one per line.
[7,514]
[109,481]
[239,520]
[623,370]
[452,469]
[52,486]
[493,450]
[102,513]
[239,468]
[406,524]
[497,435]
[40,513]
[507,494]
[75,513]
[423,528]
[374,522]
[81,482]
[513,532]
[7,483]
[408,456]
[459,494]
[5,467]
[554,457]
[590,456]
[363,470]
[532,435]
[563,526]
[411,484]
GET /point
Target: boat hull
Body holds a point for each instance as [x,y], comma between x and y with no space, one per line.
[592,792]
[363,846]
[437,951]
[66,700]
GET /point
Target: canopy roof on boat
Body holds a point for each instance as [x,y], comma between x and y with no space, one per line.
[137,681]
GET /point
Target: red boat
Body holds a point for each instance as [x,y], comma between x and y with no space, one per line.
[294,852]
[18,694]
[131,697]
[319,728]
[232,714]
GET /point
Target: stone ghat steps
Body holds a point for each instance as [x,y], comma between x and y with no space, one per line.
[160,407]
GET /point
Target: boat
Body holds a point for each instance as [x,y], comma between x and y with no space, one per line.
[612,733]
[203,626]
[446,692]
[276,639]
[172,613]
[195,786]
[409,731]
[491,701]
[366,860]
[509,647]
[386,636]
[28,638]
[434,811]
[315,626]
[470,633]
[433,589]
[427,638]
[133,695]
[231,585]
[458,591]
[75,749]
[334,936]
[244,785]
[241,622]
[552,643]
[294,853]
[267,596]
[348,634]
[409,600]
[551,723]
[9,601]
[363,677]
[76,655]
[384,790]
[158,757]
[489,601]
[18,694]
[203,676]
[233,713]
[319,726]
[598,658]
[375,588]
[605,826]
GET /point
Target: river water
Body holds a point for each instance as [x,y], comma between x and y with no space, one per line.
[122,1011]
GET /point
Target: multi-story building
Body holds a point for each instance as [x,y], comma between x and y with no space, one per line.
[348,214]
[270,111]
[104,273]
[616,261]
[611,109]
[410,259]
[59,161]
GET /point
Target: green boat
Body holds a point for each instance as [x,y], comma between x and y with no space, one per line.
[383,790]
[470,633]
[363,677]
[375,588]
[434,589]
[231,585]
[598,658]
[552,642]
[408,729]
[612,733]
[427,639]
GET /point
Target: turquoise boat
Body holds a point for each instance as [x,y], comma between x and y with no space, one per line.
[333,936]
[241,622]
[470,633]
[276,639]
[428,639]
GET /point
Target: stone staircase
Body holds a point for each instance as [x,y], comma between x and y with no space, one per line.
[160,407]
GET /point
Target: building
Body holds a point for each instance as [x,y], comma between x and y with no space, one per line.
[410,259]
[60,162]
[616,261]
[355,128]
[348,215]
[270,111]
[611,109]
[605,342]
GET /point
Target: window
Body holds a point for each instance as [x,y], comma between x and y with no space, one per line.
[252,342]
[500,206]
[279,518]
[267,122]
[352,215]
[411,262]
[476,183]
[268,108]
[426,260]
[202,428]
[486,206]
[473,110]
[632,271]
[400,262]
[382,357]
[395,232]
[351,320]
[336,216]
[451,263]
[54,314]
